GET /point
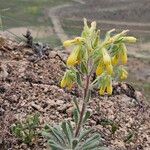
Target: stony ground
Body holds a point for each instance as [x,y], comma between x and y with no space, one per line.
[30,85]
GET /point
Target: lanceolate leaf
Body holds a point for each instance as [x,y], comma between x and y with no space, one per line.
[67,131]
[79,79]
[90,141]
[70,127]
[83,68]
[76,104]
[83,134]
[91,145]
[54,133]
[87,116]
[76,116]
[55,145]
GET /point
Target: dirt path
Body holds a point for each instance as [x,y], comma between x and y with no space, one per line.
[52,13]
[56,22]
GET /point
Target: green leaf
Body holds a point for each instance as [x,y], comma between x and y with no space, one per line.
[89,141]
[52,132]
[70,127]
[55,145]
[17,130]
[47,127]
[76,104]
[87,116]
[84,133]
[78,77]
[57,135]
[76,116]
[74,143]
[46,134]
[67,131]
[83,68]
[91,145]
[36,119]
[114,128]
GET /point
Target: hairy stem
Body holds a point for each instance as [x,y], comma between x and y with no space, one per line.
[84,106]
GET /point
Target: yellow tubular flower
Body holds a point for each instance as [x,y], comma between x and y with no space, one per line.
[77,40]
[68,43]
[73,58]
[123,54]
[109,88]
[63,83]
[106,57]
[70,85]
[99,69]
[129,39]
[124,74]
[68,80]
[109,69]
[64,80]
[102,90]
[115,59]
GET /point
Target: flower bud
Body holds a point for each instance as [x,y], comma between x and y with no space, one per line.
[68,43]
[123,54]
[99,69]
[106,57]
[73,58]
[124,74]
[129,39]
[93,26]
[68,79]
[102,90]
[109,69]
[109,88]
[63,83]
[115,59]
[77,40]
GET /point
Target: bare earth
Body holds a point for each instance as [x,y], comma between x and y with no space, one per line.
[29,87]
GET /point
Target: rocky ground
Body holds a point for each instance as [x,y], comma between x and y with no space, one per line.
[29,85]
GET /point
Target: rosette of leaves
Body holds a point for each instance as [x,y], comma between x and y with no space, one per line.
[63,137]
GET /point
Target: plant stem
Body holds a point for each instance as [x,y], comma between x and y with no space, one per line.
[84,106]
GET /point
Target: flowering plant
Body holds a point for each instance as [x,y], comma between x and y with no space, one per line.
[91,55]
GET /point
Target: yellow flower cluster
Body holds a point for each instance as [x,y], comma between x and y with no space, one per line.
[106,85]
[122,52]
[68,79]
[105,54]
